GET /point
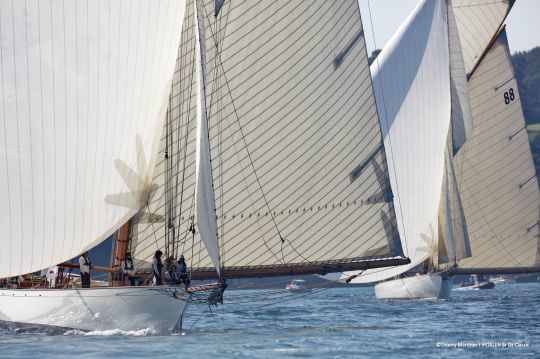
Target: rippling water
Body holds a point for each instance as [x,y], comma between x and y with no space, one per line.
[332,323]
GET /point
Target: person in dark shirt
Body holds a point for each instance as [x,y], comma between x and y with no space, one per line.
[157,268]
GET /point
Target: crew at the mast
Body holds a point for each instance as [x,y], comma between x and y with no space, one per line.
[85,265]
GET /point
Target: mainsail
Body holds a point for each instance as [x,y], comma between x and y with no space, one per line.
[478,22]
[84,94]
[499,187]
[298,164]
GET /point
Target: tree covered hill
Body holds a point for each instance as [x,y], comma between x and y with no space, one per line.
[527,71]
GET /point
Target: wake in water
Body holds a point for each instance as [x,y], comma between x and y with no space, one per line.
[41,329]
[135,333]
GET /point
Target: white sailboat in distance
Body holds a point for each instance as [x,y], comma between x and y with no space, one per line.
[243,135]
[481,200]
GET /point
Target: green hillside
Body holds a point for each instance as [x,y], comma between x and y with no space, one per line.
[527,71]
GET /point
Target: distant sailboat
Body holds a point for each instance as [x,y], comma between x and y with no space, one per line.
[258,153]
[481,196]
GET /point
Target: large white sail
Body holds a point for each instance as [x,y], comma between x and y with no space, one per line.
[83,97]
[204,190]
[498,182]
[462,124]
[478,22]
[412,88]
[298,165]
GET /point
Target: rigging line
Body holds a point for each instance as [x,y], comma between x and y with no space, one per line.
[387,125]
[188,117]
[167,178]
[200,316]
[153,229]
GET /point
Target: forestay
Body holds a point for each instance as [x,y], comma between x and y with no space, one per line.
[84,93]
[498,181]
[298,166]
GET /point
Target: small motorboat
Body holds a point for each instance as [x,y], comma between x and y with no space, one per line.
[475,282]
[297,285]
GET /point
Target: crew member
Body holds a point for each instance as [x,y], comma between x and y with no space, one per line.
[85,265]
[182,270]
[157,268]
[128,270]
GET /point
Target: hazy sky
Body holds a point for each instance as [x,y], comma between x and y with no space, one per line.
[522,24]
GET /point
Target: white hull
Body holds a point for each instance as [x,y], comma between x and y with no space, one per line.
[158,309]
[433,285]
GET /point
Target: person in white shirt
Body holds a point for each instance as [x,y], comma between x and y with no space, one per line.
[85,265]
[51,275]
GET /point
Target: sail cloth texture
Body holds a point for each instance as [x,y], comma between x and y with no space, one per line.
[478,22]
[298,165]
[462,124]
[204,190]
[412,89]
[84,93]
[497,177]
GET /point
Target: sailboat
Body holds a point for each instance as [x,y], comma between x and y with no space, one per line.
[242,135]
[475,208]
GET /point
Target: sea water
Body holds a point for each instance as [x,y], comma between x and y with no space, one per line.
[324,323]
